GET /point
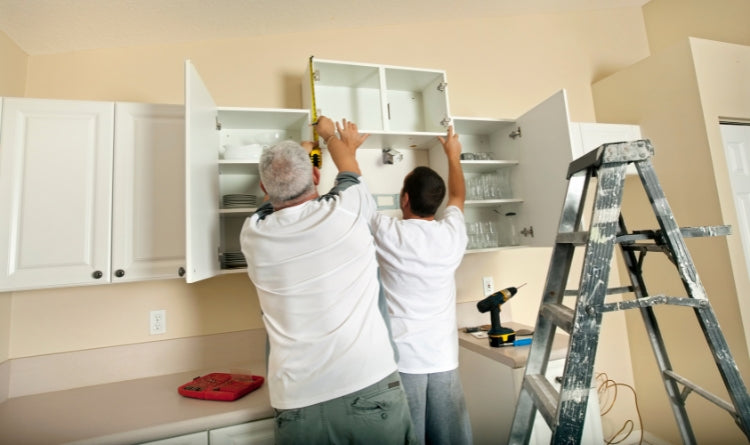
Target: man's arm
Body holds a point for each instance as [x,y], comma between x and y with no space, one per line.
[343,150]
[456,184]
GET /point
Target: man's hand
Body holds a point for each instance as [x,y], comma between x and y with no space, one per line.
[308,145]
[343,151]
[350,135]
[324,127]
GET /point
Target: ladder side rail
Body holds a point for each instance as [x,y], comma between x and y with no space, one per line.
[705,314]
[676,402]
[584,340]
[544,330]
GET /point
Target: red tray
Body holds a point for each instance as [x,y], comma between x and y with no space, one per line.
[221,386]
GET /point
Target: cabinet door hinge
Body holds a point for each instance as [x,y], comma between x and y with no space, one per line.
[445,122]
[442,86]
[316,75]
[218,124]
[515,134]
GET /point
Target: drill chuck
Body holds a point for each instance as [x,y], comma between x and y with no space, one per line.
[496,299]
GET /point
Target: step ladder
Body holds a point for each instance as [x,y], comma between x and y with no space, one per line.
[564,410]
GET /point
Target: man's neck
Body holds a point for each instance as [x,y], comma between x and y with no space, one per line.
[295,202]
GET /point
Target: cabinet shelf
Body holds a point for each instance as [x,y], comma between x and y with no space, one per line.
[238,211]
[233,167]
[491,202]
[486,166]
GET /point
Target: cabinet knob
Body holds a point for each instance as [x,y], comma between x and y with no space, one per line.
[181,271]
[119,273]
[97,274]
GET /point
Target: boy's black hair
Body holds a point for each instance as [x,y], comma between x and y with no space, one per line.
[426,190]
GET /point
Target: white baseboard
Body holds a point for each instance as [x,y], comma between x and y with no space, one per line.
[56,372]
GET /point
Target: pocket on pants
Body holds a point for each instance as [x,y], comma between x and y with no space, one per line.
[378,404]
[287,418]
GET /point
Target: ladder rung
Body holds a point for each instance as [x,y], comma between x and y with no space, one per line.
[544,394]
[653,301]
[718,401]
[610,291]
[560,315]
[575,238]
[687,232]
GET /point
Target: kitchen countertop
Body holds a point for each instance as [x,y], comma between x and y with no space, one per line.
[132,411]
[512,356]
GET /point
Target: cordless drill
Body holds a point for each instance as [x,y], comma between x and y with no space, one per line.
[498,335]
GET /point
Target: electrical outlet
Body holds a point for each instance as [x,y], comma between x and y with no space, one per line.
[158,322]
[488,286]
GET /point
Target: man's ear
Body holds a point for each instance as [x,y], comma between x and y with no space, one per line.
[316,175]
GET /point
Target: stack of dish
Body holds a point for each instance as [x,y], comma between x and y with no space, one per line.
[233,259]
[239,200]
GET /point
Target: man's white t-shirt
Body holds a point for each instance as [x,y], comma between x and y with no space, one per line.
[315,271]
[418,260]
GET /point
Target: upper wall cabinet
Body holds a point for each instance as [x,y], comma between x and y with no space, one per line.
[222,148]
[515,175]
[399,107]
[83,187]
[55,192]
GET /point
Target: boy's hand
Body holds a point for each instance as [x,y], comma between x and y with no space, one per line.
[451,144]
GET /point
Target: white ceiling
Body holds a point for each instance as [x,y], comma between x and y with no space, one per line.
[57,26]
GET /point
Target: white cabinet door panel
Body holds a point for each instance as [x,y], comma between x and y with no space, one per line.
[545,154]
[202,180]
[148,226]
[55,192]
[260,432]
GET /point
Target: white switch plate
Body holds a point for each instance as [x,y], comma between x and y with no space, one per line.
[158,322]
[488,287]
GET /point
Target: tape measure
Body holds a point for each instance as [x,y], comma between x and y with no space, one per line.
[316,156]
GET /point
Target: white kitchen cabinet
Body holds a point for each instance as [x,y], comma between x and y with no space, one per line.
[491,389]
[399,107]
[211,132]
[199,438]
[56,162]
[83,186]
[259,432]
[531,155]
[148,209]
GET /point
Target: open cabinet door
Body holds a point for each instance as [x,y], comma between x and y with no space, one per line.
[201,179]
[545,153]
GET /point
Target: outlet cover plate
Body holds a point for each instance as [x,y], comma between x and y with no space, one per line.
[158,322]
[488,287]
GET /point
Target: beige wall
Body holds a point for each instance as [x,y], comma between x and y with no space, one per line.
[668,22]
[13,63]
[677,96]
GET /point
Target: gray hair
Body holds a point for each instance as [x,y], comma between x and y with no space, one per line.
[286,172]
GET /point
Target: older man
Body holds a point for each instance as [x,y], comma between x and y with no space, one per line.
[332,375]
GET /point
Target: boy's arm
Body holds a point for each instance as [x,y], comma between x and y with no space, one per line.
[456,184]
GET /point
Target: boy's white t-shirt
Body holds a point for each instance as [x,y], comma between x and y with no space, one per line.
[418,260]
[315,271]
